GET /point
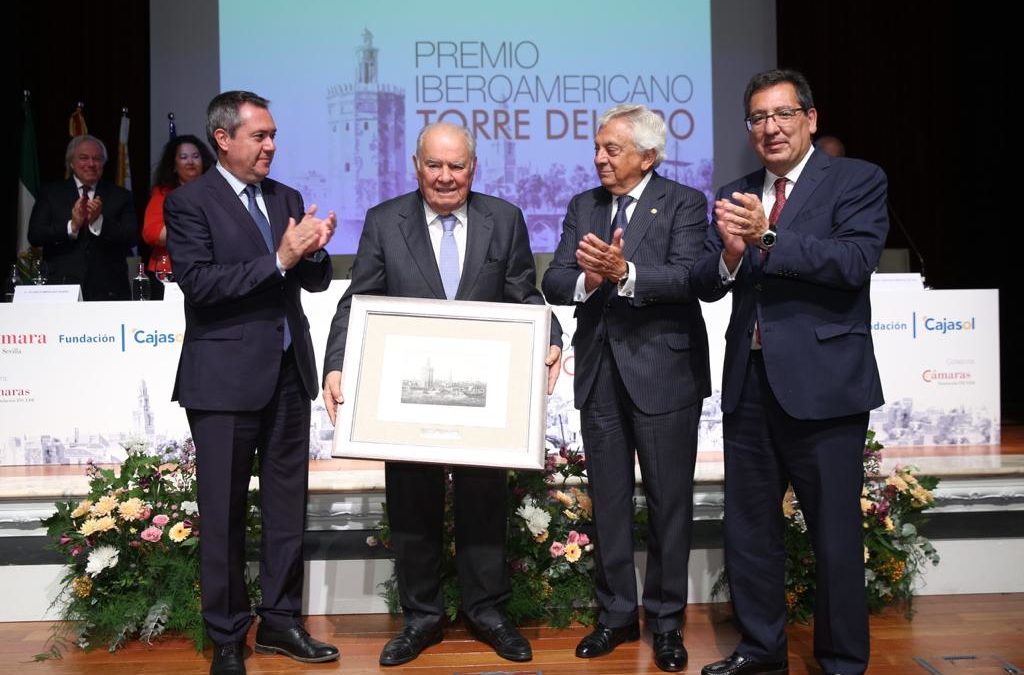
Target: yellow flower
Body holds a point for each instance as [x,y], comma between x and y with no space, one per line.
[866,505]
[84,507]
[583,501]
[563,498]
[573,552]
[889,527]
[867,554]
[104,505]
[897,481]
[131,509]
[94,525]
[82,586]
[179,532]
[789,503]
[542,537]
[920,496]
[570,514]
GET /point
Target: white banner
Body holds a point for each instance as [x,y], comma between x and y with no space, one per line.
[76,379]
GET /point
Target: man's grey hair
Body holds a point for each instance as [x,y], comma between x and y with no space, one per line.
[470,141]
[77,141]
[222,113]
[648,127]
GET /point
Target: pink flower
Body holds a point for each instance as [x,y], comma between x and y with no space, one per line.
[64,539]
[557,549]
[75,551]
[584,540]
[573,538]
[152,533]
[160,520]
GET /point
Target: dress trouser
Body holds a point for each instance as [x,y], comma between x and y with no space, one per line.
[765,449]
[666,447]
[226,443]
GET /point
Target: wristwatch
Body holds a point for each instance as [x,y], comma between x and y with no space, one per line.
[624,278]
[768,238]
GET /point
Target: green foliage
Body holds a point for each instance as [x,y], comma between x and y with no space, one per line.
[132,551]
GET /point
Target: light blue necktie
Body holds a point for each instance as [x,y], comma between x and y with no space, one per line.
[449,263]
[621,220]
[268,238]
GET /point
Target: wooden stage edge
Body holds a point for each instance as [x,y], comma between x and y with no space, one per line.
[952,634]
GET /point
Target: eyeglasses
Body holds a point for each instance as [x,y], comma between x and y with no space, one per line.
[783,117]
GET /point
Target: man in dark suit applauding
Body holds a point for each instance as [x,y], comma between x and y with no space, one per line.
[85,226]
[796,243]
[641,354]
[444,241]
[243,249]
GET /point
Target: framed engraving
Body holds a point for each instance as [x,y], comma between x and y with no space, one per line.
[444,382]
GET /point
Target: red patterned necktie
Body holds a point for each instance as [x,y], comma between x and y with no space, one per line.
[780,201]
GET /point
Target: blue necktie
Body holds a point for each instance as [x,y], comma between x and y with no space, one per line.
[258,217]
[268,238]
[621,220]
[449,262]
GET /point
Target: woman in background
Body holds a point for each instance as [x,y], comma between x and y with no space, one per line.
[184,158]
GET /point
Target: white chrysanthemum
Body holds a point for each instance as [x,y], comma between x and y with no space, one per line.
[537,519]
[100,558]
[191,508]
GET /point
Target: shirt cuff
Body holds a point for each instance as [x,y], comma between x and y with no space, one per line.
[626,288]
[723,271]
[280,267]
[96,226]
[581,294]
[71,233]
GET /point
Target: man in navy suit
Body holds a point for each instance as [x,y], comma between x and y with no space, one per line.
[85,226]
[796,243]
[641,352]
[243,249]
[403,252]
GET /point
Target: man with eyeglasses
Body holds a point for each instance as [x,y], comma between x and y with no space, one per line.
[796,243]
[444,241]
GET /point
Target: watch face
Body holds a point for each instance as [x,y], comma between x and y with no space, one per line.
[768,239]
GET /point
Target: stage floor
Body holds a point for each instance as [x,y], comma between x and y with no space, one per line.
[949,634]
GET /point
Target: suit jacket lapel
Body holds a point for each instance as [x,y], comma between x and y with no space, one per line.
[643,215]
[810,178]
[601,218]
[414,229]
[478,241]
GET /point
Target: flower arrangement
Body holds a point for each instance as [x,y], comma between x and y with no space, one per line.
[132,551]
[549,550]
[548,546]
[895,553]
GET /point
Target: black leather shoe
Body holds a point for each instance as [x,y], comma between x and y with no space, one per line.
[408,644]
[604,639]
[294,642]
[507,641]
[742,665]
[669,652]
[228,659]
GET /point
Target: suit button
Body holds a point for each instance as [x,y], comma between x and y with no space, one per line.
[757,287]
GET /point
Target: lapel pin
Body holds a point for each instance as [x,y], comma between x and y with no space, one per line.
[654,211]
